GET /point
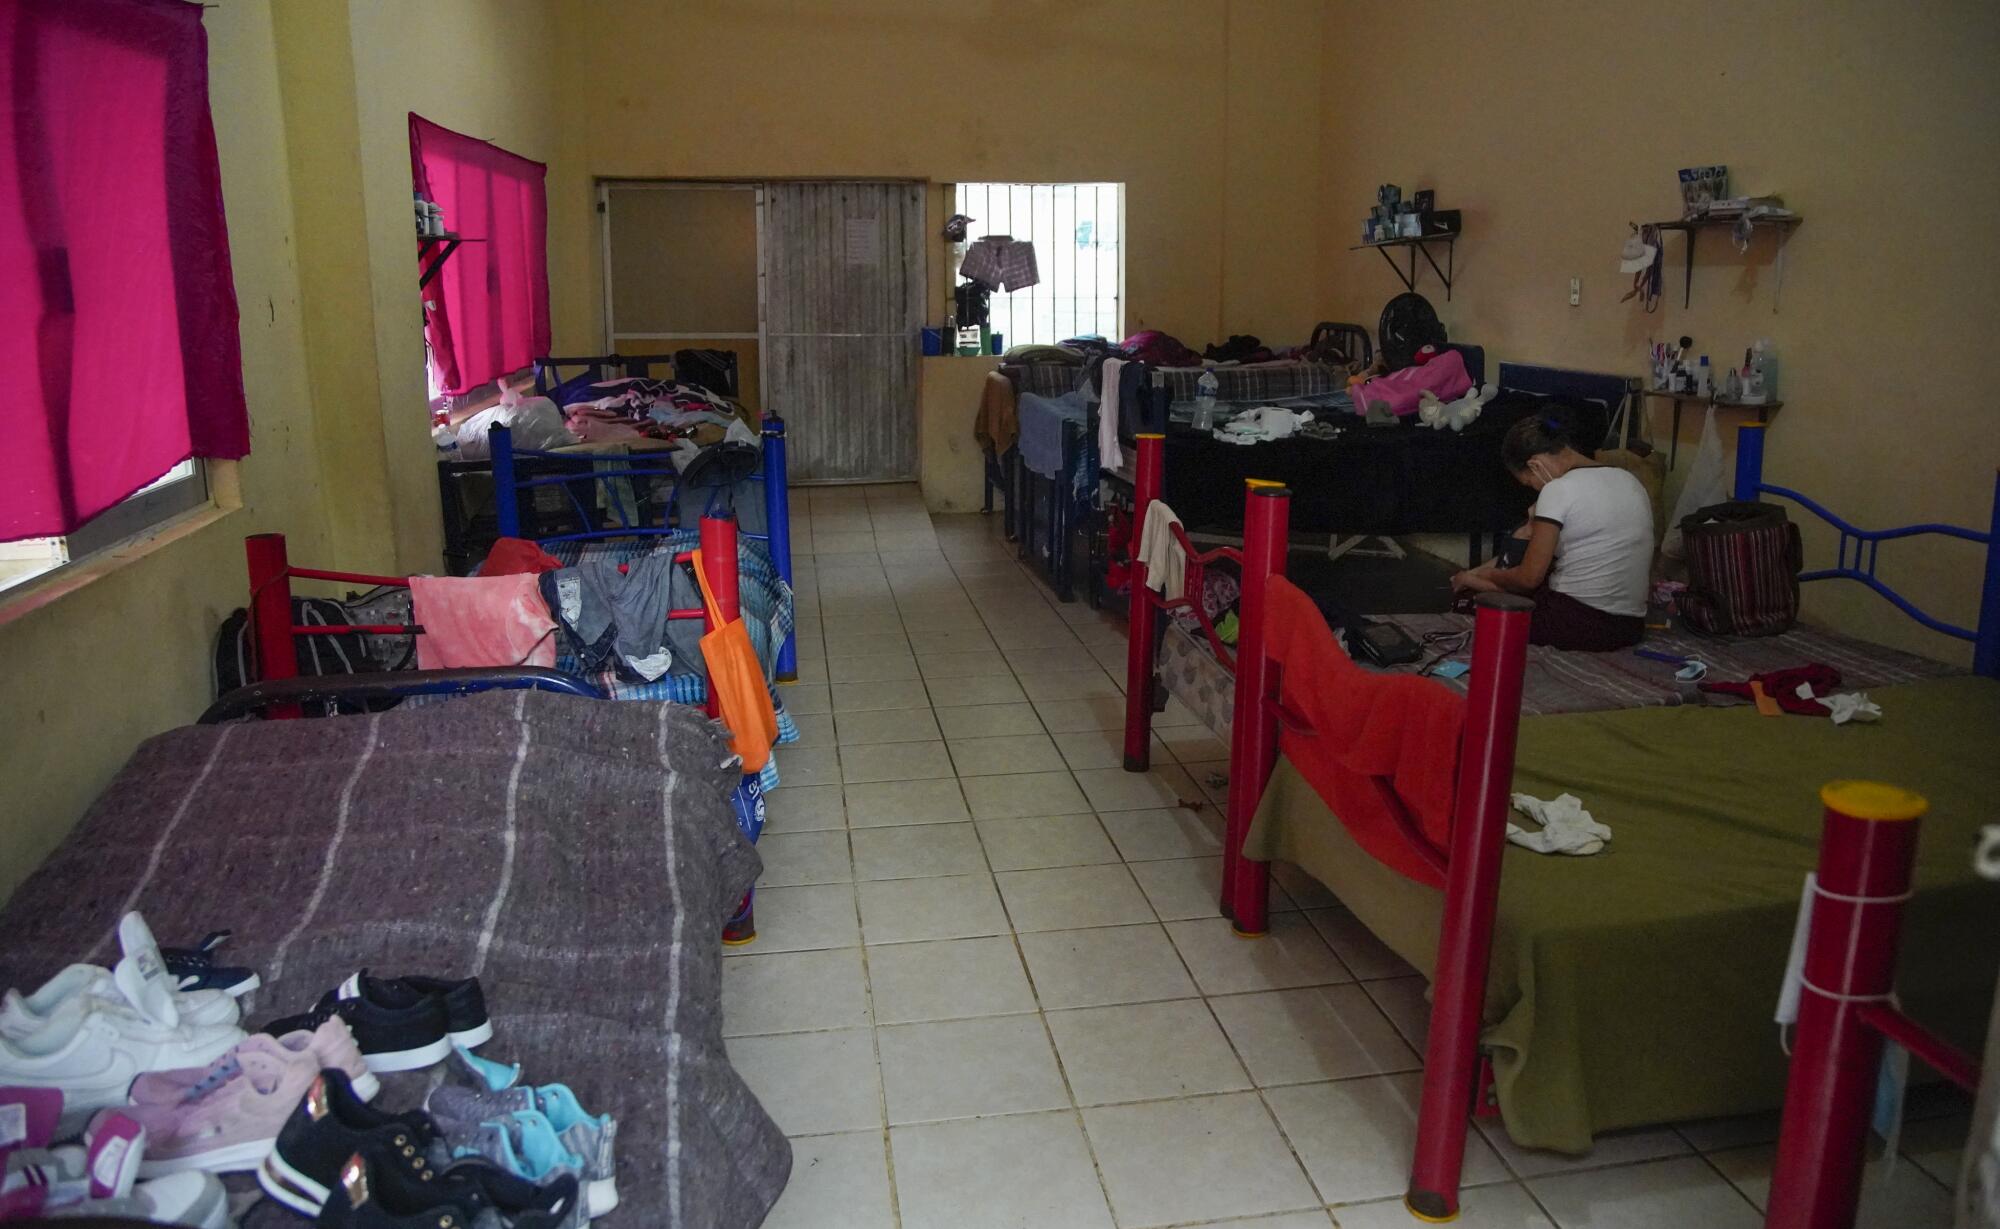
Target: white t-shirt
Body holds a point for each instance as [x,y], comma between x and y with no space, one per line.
[1604,543]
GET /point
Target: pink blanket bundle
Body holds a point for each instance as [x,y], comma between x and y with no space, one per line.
[1444,375]
[482,621]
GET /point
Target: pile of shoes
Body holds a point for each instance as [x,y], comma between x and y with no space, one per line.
[99,1177]
[147,1063]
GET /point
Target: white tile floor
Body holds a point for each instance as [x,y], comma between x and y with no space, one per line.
[991,988]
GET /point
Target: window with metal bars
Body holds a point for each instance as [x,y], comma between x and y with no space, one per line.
[1078,230]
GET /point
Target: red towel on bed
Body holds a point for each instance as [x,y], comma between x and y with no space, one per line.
[1368,727]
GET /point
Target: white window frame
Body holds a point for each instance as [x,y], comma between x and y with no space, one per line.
[995,209]
[181,489]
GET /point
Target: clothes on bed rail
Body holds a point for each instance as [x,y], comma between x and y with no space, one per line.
[996,426]
[763,597]
[1109,402]
[513,555]
[481,621]
[1376,741]
[1041,421]
[616,607]
[1162,553]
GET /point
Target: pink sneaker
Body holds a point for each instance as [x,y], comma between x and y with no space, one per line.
[231,1126]
[331,1045]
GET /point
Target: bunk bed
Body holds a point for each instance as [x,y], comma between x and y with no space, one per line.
[1577,995]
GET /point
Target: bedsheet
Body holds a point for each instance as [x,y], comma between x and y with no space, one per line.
[1561,681]
[579,857]
[1636,986]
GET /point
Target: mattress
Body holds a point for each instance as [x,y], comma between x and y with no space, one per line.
[579,857]
[1636,986]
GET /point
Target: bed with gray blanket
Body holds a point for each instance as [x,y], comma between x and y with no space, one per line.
[580,857]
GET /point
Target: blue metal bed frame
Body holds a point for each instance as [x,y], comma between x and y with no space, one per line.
[777,535]
[1859,547]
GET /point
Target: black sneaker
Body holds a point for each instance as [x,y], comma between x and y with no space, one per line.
[465,1018]
[396,1027]
[359,1200]
[378,1193]
[194,968]
[475,1184]
[329,1126]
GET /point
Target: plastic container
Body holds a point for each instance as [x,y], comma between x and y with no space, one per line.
[1205,390]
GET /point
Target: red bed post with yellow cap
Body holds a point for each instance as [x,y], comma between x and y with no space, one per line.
[1867,856]
[1471,901]
[1246,883]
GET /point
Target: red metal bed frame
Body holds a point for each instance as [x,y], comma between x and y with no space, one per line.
[1866,859]
[273,634]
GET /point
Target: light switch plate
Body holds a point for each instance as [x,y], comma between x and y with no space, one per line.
[1575,291]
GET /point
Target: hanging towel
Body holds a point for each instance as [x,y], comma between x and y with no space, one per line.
[1375,737]
[482,621]
[1109,454]
[996,426]
[1160,551]
[1566,826]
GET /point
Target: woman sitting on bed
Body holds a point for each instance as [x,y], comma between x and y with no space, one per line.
[1585,556]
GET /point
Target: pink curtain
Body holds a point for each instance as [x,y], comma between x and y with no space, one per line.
[119,355]
[487,312]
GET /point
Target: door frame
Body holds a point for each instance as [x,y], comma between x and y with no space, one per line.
[611,334]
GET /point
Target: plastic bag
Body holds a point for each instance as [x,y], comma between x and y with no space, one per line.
[536,422]
[1707,483]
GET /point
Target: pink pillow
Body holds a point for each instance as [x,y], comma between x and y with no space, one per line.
[1443,375]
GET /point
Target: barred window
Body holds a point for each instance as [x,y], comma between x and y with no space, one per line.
[1078,230]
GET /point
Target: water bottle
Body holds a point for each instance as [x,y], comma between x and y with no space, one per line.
[1204,400]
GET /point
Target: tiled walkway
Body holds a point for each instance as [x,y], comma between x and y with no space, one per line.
[990,986]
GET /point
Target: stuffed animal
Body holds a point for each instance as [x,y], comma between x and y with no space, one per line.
[1454,414]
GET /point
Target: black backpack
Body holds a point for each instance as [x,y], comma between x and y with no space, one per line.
[341,653]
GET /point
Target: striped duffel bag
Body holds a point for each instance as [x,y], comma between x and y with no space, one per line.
[1743,563]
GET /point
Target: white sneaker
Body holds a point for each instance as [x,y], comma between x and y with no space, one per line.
[193,1199]
[21,1014]
[93,1052]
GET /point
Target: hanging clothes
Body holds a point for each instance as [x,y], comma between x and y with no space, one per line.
[1109,454]
[1161,552]
[1001,262]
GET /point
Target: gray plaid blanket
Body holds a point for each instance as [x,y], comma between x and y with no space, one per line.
[579,857]
[1558,681]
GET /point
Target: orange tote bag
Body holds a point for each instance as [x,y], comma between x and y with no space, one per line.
[736,681]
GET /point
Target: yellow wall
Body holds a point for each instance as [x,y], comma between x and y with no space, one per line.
[310,100]
[85,677]
[1553,123]
[1205,109]
[952,466]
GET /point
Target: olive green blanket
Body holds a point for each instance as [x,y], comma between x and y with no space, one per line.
[1637,985]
